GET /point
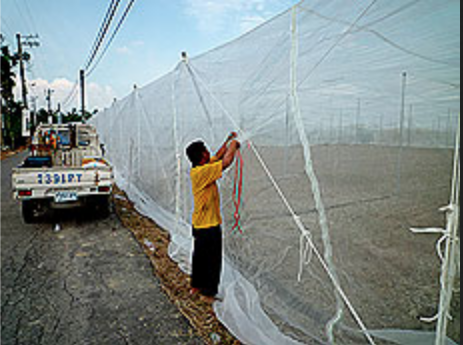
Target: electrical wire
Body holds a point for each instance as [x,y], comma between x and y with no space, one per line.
[72,95]
[119,25]
[103,31]
[30,16]
[100,32]
[22,16]
[104,27]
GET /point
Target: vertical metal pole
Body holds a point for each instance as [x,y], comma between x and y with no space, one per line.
[287,135]
[137,98]
[60,116]
[82,92]
[322,132]
[332,134]
[50,115]
[449,129]
[410,127]
[357,122]
[341,126]
[401,138]
[381,128]
[439,132]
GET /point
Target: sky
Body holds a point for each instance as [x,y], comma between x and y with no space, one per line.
[148,45]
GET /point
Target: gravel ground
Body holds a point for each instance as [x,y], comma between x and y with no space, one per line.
[90,283]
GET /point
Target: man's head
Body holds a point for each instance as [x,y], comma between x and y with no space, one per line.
[198,153]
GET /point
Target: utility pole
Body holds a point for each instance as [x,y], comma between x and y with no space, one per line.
[22,72]
[29,41]
[48,98]
[34,114]
[82,92]
[60,117]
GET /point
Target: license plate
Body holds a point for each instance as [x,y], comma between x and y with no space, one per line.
[63,197]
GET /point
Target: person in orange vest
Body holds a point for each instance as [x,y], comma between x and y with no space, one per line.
[54,140]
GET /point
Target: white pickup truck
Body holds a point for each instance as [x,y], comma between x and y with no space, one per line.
[65,169]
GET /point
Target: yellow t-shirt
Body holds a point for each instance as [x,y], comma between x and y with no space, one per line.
[206,194]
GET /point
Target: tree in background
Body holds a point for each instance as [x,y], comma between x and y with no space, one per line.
[11,110]
[75,116]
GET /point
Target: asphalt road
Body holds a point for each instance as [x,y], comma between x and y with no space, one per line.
[89,284]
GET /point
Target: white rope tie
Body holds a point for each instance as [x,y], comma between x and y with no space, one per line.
[443,240]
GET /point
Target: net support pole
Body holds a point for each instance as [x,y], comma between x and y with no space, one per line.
[381,129]
[328,255]
[410,127]
[139,141]
[341,127]
[450,265]
[401,135]
[357,121]
[178,156]
[327,260]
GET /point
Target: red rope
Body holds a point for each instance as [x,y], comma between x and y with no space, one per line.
[238,192]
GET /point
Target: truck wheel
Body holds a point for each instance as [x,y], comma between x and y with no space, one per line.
[28,209]
[34,211]
[104,205]
[100,206]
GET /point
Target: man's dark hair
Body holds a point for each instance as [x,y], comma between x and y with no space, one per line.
[195,152]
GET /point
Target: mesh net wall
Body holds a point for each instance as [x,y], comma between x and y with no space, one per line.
[348,112]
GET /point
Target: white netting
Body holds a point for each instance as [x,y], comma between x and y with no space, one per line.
[348,110]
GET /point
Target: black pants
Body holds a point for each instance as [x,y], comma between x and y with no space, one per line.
[207,260]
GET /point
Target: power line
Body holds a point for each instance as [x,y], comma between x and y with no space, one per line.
[27,25]
[96,44]
[103,31]
[72,95]
[119,25]
[99,40]
[6,26]
[29,14]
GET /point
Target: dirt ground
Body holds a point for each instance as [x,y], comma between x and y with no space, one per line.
[175,283]
[390,275]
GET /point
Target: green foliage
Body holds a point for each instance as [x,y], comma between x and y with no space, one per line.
[75,116]
[8,61]
[11,110]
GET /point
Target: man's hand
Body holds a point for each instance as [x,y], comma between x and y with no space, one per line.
[223,150]
[233,135]
[237,144]
[230,154]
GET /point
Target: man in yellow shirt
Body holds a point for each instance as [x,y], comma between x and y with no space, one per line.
[207,219]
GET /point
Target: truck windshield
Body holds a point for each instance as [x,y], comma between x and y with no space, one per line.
[65,138]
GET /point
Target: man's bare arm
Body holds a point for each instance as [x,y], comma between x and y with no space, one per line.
[230,154]
[223,150]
